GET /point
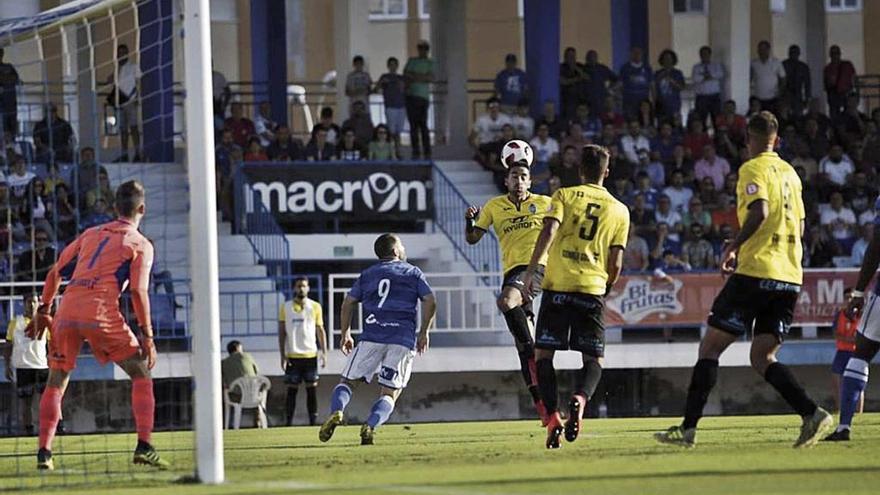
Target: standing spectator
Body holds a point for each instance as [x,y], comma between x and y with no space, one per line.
[511,85]
[237,365]
[545,147]
[53,137]
[636,256]
[523,123]
[713,166]
[797,91]
[350,149]
[226,156]
[358,83]
[242,127]
[319,148]
[840,221]
[697,251]
[768,77]
[665,214]
[27,358]
[837,166]
[360,123]
[334,132]
[857,255]
[35,263]
[571,79]
[697,215]
[419,73]
[393,87]
[381,148]
[264,126]
[668,83]
[840,81]
[568,169]
[598,77]
[635,146]
[255,152]
[708,79]
[548,116]
[285,147]
[679,195]
[696,140]
[222,96]
[637,79]
[9,82]
[124,98]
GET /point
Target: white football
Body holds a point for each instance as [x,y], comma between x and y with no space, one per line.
[516,152]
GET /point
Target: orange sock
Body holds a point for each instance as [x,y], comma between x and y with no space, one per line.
[143,407]
[50,414]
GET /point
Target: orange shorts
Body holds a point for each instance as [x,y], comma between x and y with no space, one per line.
[109,343]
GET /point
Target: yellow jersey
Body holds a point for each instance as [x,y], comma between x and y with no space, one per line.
[517,227]
[591,221]
[774,251]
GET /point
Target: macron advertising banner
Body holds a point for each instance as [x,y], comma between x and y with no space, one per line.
[645,300]
[351,192]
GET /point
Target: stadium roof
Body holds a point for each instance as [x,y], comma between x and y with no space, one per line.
[12,28]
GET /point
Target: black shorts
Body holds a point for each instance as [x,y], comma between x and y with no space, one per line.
[301,370]
[514,278]
[28,381]
[571,321]
[747,303]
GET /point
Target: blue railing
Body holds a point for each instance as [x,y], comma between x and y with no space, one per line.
[449,208]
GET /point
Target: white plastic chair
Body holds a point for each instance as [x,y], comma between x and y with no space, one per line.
[254,390]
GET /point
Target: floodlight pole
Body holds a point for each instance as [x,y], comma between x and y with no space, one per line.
[205,319]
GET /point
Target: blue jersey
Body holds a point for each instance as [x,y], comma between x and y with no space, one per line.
[390,292]
[877,226]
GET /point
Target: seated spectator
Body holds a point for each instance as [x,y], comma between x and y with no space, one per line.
[548,116]
[488,129]
[636,256]
[9,214]
[255,152]
[643,187]
[237,365]
[381,147]
[493,156]
[851,124]
[591,126]
[333,130]
[621,189]
[103,190]
[725,214]
[361,123]
[319,148]
[665,214]
[664,142]
[242,127]
[754,107]
[34,264]
[285,148]
[53,137]
[634,145]
[810,194]
[668,84]
[816,139]
[541,175]
[697,215]
[681,163]
[98,214]
[730,181]
[735,123]
[646,118]
[511,85]
[610,117]
[53,178]
[393,87]
[837,166]
[871,149]
[861,245]
[821,248]
[695,140]
[803,159]
[678,194]
[545,147]
[567,170]
[19,179]
[88,170]
[33,209]
[698,251]
[839,220]
[860,195]
[724,236]
[668,263]
[575,138]
[655,170]
[523,123]
[712,166]
[662,244]
[726,148]
[350,149]
[264,126]
[61,211]
[642,217]
[358,84]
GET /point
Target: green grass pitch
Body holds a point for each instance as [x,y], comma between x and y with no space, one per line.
[735,455]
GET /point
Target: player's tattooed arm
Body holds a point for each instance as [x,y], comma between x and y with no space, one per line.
[345,315]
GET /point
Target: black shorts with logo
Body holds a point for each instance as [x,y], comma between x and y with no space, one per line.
[571,321]
[28,381]
[514,278]
[747,303]
[300,370]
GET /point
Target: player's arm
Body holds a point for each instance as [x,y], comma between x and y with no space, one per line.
[429,311]
[51,285]
[282,336]
[542,245]
[757,213]
[613,266]
[476,224]
[141,266]
[321,334]
[866,273]
[345,314]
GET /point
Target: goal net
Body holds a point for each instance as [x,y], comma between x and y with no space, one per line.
[91,96]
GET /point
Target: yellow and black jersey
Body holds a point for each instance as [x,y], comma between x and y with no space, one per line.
[774,251]
[516,225]
[591,221]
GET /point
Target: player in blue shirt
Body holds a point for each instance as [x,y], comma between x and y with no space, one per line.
[389,292]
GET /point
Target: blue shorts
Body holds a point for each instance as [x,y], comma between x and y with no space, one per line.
[301,370]
[840,360]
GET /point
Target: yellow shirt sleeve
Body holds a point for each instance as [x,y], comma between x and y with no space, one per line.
[484,221]
[557,206]
[319,315]
[10,330]
[282,315]
[752,185]
[621,235]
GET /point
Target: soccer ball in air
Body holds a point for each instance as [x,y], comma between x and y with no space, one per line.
[516,152]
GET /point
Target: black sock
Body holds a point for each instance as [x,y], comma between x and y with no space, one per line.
[547,384]
[702,381]
[291,403]
[587,379]
[312,404]
[783,381]
[518,324]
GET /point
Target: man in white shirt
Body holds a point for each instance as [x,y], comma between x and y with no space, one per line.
[27,357]
[635,146]
[768,76]
[679,196]
[708,80]
[300,331]
[490,125]
[545,147]
[838,218]
[522,122]
[837,166]
[124,98]
[861,246]
[665,214]
[264,125]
